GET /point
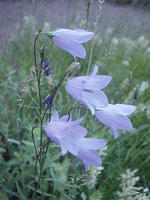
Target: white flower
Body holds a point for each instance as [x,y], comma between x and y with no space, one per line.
[141,107]
[128,187]
[144,86]
[126,63]
[115,41]
[148,50]
[142,41]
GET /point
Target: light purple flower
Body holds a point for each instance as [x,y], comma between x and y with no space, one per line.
[65,132]
[71,41]
[87,89]
[87,151]
[70,136]
[115,117]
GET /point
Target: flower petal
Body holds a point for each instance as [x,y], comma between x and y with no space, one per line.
[89,157]
[68,144]
[76,131]
[111,119]
[75,86]
[115,132]
[95,70]
[75,49]
[55,116]
[95,98]
[121,108]
[65,117]
[98,82]
[78,35]
[92,143]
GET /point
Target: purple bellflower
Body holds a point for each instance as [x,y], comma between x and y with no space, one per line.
[87,151]
[71,41]
[115,117]
[87,89]
[47,101]
[47,68]
[65,132]
[70,135]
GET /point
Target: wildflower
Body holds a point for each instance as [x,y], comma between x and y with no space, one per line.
[115,41]
[87,89]
[129,187]
[144,86]
[126,63]
[70,136]
[71,41]
[46,63]
[115,117]
[135,96]
[47,101]
[65,132]
[87,151]
[92,178]
[47,69]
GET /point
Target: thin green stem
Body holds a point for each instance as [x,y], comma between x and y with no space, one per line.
[95,31]
[89,2]
[76,107]
[38,76]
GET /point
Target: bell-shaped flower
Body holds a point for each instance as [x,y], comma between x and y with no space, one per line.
[87,89]
[65,132]
[116,117]
[88,151]
[71,41]
[70,136]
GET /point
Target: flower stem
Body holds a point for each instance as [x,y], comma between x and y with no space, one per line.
[38,76]
[100,3]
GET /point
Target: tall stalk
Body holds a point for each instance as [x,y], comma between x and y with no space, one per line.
[100,4]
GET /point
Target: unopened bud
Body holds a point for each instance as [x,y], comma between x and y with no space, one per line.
[74,67]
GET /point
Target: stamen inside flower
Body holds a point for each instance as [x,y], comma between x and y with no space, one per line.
[86,90]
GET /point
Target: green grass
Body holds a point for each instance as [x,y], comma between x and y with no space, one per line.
[127,61]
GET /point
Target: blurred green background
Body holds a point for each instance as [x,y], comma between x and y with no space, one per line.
[123,55]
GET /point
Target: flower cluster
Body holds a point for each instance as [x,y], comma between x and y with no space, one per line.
[70,135]
[129,188]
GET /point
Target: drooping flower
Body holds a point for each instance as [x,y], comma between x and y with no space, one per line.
[47,101]
[70,135]
[65,132]
[47,68]
[115,117]
[87,89]
[71,41]
[88,151]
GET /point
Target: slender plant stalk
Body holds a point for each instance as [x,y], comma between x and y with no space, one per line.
[100,4]
[42,154]
[89,3]
[38,76]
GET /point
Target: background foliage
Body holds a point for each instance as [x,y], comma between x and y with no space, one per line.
[128,62]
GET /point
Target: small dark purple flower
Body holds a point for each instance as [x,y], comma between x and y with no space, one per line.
[47,68]
[47,101]
[135,95]
[47,71]
[46,63]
